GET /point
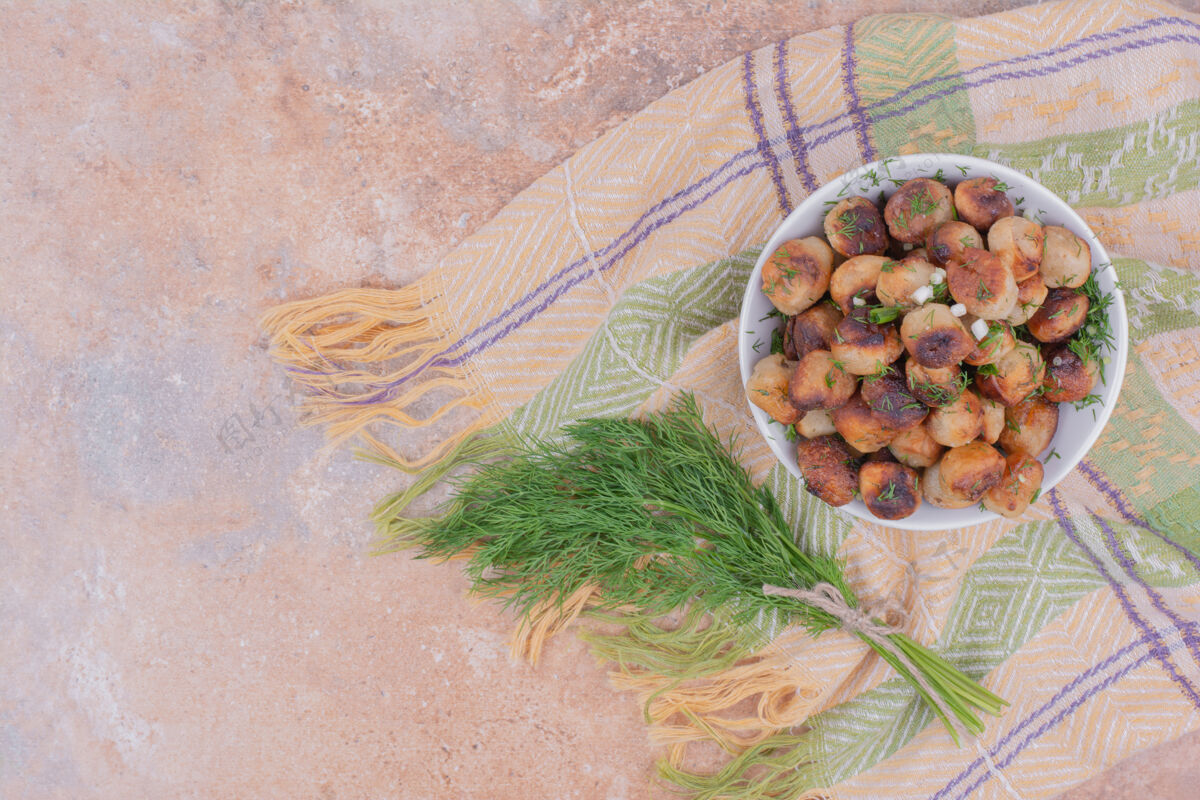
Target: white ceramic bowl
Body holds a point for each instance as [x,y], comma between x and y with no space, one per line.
[1077,428]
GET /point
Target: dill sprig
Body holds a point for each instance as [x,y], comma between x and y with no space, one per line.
[1095,336]
[851,224]
[776,341]
[656,514]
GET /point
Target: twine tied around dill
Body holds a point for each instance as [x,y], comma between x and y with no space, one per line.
[861,622]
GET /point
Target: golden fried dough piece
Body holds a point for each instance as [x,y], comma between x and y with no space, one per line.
[855,227]
[830,470]
[1029,426]
[889,489]
[980,203]
[917,208]
[797,274]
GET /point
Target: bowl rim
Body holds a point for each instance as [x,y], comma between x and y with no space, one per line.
[925,164]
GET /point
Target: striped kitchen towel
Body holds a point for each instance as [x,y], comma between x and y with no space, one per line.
[613,283]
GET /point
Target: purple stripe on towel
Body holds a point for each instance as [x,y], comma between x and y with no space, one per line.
[1005,76]
[1053,51]
[1100,481]
[1058,718]
[1045,708]
[1159,646]
[1187,628]
[854,109]
[754,111]
[794,137]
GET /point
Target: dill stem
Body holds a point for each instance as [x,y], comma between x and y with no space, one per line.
[970,690]
[897,665]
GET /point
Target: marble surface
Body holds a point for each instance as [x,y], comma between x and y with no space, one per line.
[189,605]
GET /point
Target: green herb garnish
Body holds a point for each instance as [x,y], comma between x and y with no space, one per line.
[654,514]
[881,315]
[849,222]
[776,341]
[1095,335]
[921,203]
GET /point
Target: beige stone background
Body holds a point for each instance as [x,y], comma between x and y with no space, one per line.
[188,607]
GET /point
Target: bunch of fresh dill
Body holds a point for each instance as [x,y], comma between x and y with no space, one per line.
[657,514]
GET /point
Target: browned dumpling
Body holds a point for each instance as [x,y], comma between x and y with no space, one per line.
[830,470]
[818,422]
[1066,260]
[935,337]
[899,279]
[1069,378]
[956,423]
[949,240]
[860,428]
[979,281]
[888,489]
[856,278]
[889,399]
[855,227]
[810,330]
[1014,377]
[863,347]
[1022,477]
[916,209]
[1029,426]
[1017,242]
[820,381]
[971,470]
[996,344]
[768,388]
[797,274]
[1062,314]
[1031,293]
[934,387]
[915,447]
[993,420]
[980,203]
[938,493]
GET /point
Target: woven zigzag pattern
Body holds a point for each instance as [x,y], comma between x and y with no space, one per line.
[612,284]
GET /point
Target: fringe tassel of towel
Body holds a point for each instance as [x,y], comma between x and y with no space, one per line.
[695,681]
[548,620]
[782,766]
[363,357]
[392,526]
[783,696]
